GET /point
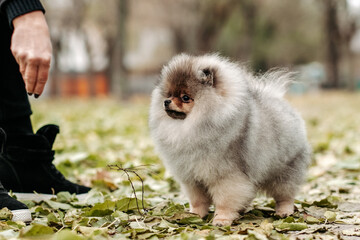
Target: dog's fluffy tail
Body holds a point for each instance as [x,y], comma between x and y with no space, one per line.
[274,82]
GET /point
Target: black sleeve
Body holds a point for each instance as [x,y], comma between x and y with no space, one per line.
[15,8]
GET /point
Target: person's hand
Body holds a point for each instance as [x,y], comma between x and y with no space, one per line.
[31,47]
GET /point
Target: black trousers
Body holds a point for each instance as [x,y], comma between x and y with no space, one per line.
[15,108]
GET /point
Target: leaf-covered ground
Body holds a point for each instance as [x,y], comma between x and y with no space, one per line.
[95,134]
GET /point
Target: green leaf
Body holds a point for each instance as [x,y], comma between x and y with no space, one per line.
[185,218]
[266,226]
[159,208]
[330,216]
[67,235]
[58,205]
[5,214]
[43,210]
[285,226]
[289,219]
[138,225]
[123,217]
[278,236]
[191,220]
[254,235]
[312,220]
[257,212]
[101,209]
[52,218]
[91,231]
[149,235]
[329,202]
[16,225]
[165,225]
[29,203]
[127,204]
[94,197]
[64,197]
[35,230]
[174,208]
[210,237]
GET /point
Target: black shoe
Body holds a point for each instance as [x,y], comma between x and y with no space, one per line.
[19,210]
[26,164]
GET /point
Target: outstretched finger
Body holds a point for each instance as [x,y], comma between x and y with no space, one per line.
[22,67]
[30,77]
[42,76]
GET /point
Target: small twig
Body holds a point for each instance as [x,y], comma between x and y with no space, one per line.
[111,224]
[142,188]
[134,191]
[132,170]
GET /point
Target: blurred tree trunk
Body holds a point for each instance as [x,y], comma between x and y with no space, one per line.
[333,44]
[248,11]
[213,17]
[90,74]
[348,31]
[350,56]
[55,72]
[184,29]
[116,48]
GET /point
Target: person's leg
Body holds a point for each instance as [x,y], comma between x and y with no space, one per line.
[15,108]
[14,113]
[26,161]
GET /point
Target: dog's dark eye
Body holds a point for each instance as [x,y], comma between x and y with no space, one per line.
[185,98]
[206,71]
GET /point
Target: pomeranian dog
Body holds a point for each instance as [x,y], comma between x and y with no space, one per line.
[226,134]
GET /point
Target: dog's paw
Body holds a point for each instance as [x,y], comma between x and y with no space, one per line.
[285,209]
[221,222]
[201,211]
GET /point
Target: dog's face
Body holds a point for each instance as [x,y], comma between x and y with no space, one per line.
[180,86]
[178,105]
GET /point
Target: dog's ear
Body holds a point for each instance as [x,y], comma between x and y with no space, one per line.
[207,77]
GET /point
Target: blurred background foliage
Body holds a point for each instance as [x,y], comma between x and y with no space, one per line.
[117,47]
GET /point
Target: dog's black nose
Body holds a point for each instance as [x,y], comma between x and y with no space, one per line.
[167,103]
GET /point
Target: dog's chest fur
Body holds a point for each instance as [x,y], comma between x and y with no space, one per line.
[196,154]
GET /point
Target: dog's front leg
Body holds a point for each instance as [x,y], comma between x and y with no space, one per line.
[199,198]
[230,195]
